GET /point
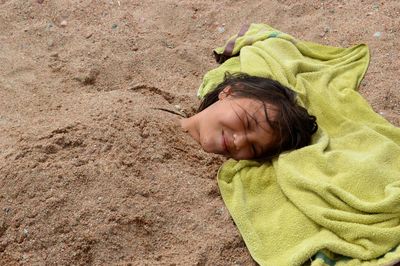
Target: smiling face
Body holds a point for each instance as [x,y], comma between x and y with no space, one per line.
[234,126]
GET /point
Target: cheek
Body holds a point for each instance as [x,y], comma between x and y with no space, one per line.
[225,116]
[209,136]
[232,121]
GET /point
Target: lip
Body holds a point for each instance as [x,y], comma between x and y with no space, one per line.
[225,143]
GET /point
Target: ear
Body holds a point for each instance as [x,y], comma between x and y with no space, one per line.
[225,93]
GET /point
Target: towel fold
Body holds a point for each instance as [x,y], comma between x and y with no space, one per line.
[341,194]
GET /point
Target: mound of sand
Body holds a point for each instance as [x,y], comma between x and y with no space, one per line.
[90,173]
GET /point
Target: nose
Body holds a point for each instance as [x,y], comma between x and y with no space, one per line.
[240,141]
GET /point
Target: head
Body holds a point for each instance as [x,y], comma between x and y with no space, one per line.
[248,117]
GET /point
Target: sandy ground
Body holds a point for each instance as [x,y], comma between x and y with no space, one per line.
[89,172]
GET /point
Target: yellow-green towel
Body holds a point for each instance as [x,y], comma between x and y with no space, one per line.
[339,195]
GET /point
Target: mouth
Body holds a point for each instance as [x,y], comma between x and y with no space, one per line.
[224,144]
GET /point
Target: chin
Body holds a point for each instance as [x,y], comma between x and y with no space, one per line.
[209,148]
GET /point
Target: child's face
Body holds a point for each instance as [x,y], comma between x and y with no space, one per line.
[235,127]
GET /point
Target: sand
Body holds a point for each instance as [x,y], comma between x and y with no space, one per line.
[90,173]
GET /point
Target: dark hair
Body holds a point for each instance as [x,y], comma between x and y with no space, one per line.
[292,126]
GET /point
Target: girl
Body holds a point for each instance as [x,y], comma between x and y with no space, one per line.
[248,117]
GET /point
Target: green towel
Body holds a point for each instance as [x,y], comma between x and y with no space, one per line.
[339,195]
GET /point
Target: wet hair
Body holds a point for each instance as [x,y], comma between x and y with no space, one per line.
[292,127]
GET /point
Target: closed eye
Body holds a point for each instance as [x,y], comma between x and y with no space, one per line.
[254,149]
[247,124]
[248,127]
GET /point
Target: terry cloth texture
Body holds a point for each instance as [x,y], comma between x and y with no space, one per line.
[339,195]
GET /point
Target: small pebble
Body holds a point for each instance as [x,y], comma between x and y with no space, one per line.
[88,77]
[219,211]
[168,45]
[63,23]
[90,34]
[221,29]
[377,34]
[114,26]
[50,43]
[26,232]
[49,25]
[106,148]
